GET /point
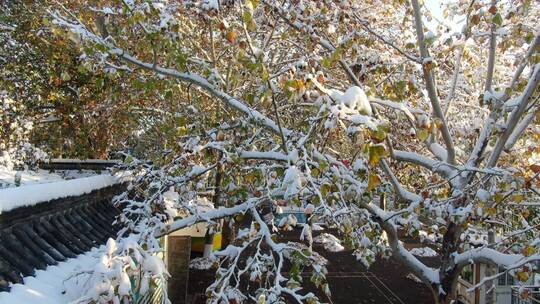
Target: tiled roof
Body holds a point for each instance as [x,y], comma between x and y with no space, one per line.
[44,234]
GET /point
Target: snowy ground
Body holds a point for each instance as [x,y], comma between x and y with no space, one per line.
[54,285]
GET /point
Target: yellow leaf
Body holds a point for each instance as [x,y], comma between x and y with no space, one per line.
[498,197]
[231,36]
[523,276]
[181,131]
[491,211]
[375,153]
[528,251]
[422,134]
[373,181]
[518,198]
[250,178]
[325,188]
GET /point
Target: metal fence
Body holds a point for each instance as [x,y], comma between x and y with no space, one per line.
[525,295]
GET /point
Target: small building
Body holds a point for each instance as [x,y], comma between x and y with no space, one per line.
[507,288]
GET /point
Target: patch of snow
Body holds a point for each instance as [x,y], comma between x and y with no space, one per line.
[292,182]
[211,5]
[423,252]
[330,242]
[111,162]
[170,198]
[411,276]
[359,164]
[354,98]
[202,263]
[56,284]
[427,60]
[316,227]
[154,265]
[483,195]
[429,237]
[309,209]
[288,222]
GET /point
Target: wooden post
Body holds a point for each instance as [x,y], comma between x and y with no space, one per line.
[382,205]
[177,259]
[490,271]
[216,199]
[208,243]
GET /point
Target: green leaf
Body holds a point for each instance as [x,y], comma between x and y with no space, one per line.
[246,16]
[380,133]
[497,19]
[375,153]
[326,62]
[182,131]
[101,47]
[181,61]
[265,75]
[410,45]
[323,165]
[181,121]
[65,76]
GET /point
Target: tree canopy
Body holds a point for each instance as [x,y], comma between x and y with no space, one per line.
[333,106]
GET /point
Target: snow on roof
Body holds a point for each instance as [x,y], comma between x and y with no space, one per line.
[30,195]
[55,284]
[85,161]
[7,177]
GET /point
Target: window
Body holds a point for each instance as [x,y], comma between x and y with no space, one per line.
[505,279]
[502,277]
[467,274]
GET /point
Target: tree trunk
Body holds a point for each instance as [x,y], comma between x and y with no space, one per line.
[449,295]
[449,272]
[216,199]
[227,232]
[490,270]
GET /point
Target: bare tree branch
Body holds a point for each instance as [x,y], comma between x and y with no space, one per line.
[492,49]
[430,84]
[516,115]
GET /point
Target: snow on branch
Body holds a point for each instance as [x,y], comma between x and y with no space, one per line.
[425,273]
[267,155]
[218,213]
[403,193]
[430,84]
[488,255]
[433,165]
[515,117]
